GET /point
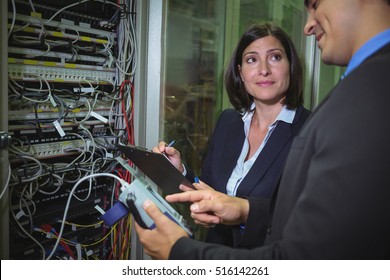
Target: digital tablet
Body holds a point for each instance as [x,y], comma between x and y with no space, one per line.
[157,167]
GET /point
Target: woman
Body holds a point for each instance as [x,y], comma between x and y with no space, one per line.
[250,143]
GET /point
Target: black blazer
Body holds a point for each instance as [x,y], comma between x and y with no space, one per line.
[334,196]
[223,152]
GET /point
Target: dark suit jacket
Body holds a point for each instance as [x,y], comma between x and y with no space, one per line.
[334,197]
[223,152]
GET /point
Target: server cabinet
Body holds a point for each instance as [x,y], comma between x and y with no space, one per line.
[71,74]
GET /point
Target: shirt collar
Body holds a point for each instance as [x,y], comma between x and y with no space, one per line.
[286,115]
[370,47]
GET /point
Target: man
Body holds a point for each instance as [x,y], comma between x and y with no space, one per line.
[333,198]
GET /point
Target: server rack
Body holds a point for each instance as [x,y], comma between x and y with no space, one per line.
[70,77]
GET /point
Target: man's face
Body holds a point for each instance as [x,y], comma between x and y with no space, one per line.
[333,23]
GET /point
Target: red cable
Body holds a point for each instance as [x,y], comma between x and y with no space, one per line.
[48,228]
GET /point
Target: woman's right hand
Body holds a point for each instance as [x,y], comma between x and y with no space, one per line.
[171,153]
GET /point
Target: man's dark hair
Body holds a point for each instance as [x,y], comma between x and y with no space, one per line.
[307,2]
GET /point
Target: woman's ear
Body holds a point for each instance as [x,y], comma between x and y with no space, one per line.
[239,70]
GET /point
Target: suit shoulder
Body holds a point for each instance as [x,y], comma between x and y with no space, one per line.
[230,114]
[302,113]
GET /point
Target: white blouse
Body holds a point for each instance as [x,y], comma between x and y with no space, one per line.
[242,168]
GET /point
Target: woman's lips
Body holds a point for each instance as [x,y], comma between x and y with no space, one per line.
[265,83]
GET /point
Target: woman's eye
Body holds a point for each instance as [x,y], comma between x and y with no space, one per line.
[251,60]
[276,57]
[314,5]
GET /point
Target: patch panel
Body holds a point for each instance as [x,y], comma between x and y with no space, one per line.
[66,26]
[76,113]
[47,150]
[47,11]
[97,128]
[63,194]
[61,74]
[55,149]
[28,134]
[64,148]
[57,64]
[59,55]
[64,35]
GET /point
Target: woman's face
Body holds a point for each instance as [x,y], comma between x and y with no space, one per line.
[265,70]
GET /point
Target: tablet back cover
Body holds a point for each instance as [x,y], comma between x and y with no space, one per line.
[157,167]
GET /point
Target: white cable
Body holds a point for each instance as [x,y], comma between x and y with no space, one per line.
[26,205]
[37,174]
[29,235]
[42,53]
[90,159]
[87,115]
[49,96]
[83,151]
[14,149]
[68,204]
[7,182]
[58,184]
[13,18]
[90,184]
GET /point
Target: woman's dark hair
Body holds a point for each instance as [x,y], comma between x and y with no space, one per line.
[238,96]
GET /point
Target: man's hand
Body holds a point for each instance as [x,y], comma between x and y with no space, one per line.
[159,241]
[211,207]
[171,153]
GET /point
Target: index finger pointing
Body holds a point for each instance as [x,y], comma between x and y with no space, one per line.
[193,196]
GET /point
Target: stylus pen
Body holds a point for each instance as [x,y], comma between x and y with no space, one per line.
[171,143]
